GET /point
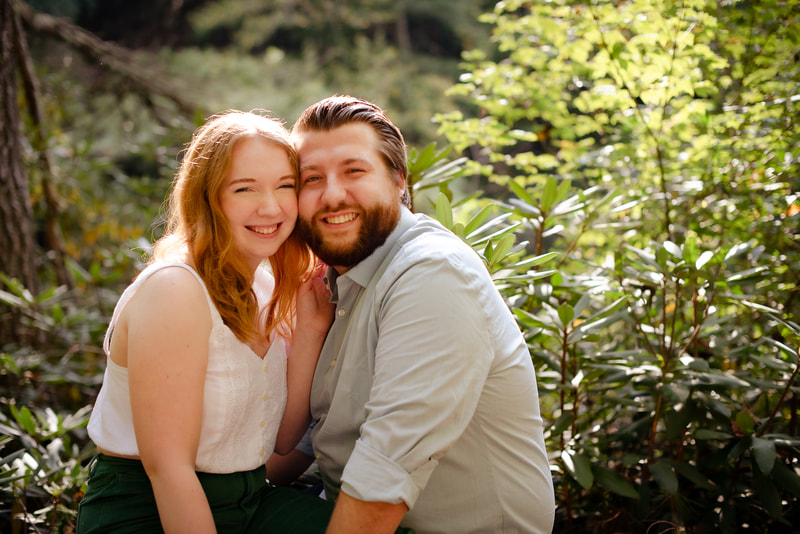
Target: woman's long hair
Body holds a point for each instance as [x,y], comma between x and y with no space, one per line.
[197,224]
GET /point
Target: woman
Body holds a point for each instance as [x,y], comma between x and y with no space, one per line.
[198,389]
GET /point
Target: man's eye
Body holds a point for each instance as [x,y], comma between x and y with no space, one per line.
[354,171]
[308,179]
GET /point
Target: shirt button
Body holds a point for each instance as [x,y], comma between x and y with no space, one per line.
[341,313]
[261,452]
[262,423]
[264,397]
[266,368]
[333,363]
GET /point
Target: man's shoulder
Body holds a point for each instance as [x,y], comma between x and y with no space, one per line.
[428,238]
[428,247]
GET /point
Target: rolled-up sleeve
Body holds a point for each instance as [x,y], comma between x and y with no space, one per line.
[432,358]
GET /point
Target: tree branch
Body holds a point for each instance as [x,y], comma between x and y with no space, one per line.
[108,55]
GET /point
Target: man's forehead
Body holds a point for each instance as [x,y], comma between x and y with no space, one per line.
[340,145]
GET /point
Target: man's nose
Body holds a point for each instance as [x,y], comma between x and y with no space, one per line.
[334,191]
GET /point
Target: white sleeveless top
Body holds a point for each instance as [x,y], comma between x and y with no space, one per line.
[244,396]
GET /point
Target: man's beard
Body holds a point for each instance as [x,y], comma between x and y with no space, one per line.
[377,223]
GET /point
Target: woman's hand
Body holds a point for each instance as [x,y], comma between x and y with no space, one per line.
[314,311]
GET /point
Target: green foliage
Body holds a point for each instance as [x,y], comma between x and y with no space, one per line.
[47,394]
[655,148]
[632,187]
[47,468]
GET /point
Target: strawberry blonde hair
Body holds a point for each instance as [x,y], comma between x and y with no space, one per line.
[197,224]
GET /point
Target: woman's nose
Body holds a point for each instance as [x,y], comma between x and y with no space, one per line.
[268,204]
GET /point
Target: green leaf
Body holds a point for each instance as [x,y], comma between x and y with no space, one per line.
[566,314]
[690,249]
[705,433]
[536,260]
[693,475]
[532,321]
[745,422]
[766,493]
[786,478]
[478,219]
[661,257]
[673,249]
[549,194]
[614,482]
[676,392]
[703,259]
[444,213]
[24,417]
[764,453]
[561,424]
[736,250]
[665,477]
[579,466]
[521,193]
[563,190]
[501,249]
[646,257]
[11,300]
[747,273]
[582,303]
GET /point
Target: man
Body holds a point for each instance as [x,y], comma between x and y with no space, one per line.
[425,394]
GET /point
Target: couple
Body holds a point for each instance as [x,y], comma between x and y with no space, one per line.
[402,351]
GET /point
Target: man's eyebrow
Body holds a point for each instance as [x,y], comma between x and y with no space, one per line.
[308,167]
[348,161]
[356,159]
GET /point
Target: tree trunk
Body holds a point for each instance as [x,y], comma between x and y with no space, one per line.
[54,241]
[17,258]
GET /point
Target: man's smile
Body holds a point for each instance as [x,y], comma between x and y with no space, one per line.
[340,219]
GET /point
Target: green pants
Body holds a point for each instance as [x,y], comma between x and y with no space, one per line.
[120,500]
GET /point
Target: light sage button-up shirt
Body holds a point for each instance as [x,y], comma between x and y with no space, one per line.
[425,392]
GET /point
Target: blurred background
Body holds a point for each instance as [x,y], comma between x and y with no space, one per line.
[629,171]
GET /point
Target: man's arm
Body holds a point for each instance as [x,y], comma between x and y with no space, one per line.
[354,516]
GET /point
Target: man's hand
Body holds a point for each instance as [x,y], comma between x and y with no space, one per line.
[354,516]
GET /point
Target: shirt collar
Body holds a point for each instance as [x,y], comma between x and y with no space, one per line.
[362,272]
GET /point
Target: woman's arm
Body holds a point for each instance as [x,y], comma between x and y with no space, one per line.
[282,470]
[314,316]
[168,326]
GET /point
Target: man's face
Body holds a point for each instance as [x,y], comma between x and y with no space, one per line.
[349,202]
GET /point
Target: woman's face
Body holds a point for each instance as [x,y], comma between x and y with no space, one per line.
[258,198]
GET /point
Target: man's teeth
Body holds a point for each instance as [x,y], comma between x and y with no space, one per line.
[339,219]
[265,230]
